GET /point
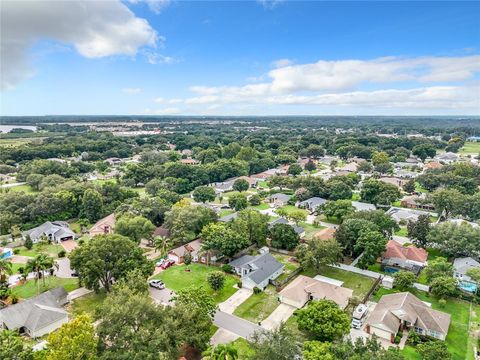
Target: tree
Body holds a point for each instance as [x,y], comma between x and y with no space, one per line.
[34,181]
[197,298]
[409,186]
[185,221]
[324,320]
[403,280]
[455,240]
[216,280]
[108,258]
[187,259]
[443,287]
[365,167]
[371,244]
[418,230]
[448,201]
[92,205]
[241,185]
[135,228]
[28,242]
[474,274]
[310,166]
[296,215]
[361,349]
[221,237]
[349,231]
[386,225]
[74,340]
[315,254]
[381,161]
[221,352]
[252,225]
[278,344]
[38,265]
[238,201]
[338,190]
[295,169]
[204,194]
[434,350]
[317,350]
[379,193]
[314,151]
[438,267]
[255,200]
[13,347]
[338,209]
[283,236]
[424,151]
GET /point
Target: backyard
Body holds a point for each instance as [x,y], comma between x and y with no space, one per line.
[470,148]
[290,266]
[37,249]
[29,288]
[87,304]
[177,278]
[258,306]
[458,333]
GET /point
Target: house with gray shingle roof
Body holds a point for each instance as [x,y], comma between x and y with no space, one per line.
[55,231]
[278,199]
[461,267]
[257,271]
[281,220]
[36,316]
[312,204]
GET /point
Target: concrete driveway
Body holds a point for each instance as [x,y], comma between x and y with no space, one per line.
[64,269]
[279,315]
[241,327]
[229,305]
[69,245]
[223,336]
[161,296]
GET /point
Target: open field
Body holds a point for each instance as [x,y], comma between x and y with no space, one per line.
[87,304]
[29,289]
[470,148]
[176,278]
[37,249]
[258,306]
[21,188]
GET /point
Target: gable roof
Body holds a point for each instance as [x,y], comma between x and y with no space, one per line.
[192,248]
[313,202]
[280,197]
[361,206]
[55,228]
[394,308]
[102,224]
[261,267]
[462,265]
[36,312]
[411,252]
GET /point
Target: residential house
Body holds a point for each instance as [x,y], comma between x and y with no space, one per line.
[459,222]
[393,181]
[416,202]
[461,267]
[350,167]
[432,165]
[114,161]
[229,217]
[36,316]
[447,157]
[404,174]
[278,199]
[304,288]
[194,249]
[327,160]
[402,215]
[103,226]
[161,231]
[190,161]
[312,204]
[404,311]
[325,234]
[404,257]
[361,206]
[55,231]
[281,220]
[221,187]
[257,271]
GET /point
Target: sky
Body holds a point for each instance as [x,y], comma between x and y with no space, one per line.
[161,57]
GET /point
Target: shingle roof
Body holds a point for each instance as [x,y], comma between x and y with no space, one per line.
[57,228]
[462,265]
[396,250]
[262,266]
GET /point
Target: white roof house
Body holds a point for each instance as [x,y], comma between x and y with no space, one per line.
[55,231]
[461,267]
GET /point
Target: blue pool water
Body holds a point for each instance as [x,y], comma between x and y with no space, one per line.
[467,286]
[390,270]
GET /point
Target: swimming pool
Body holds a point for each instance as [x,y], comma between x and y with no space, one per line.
[467,286]
[390,270]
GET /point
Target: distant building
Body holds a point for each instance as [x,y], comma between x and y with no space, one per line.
[361,206]
[447,157]
[278,199]
[416,202]
[405,257]
[103,226]
[312,204]
[461,267]
[5,253]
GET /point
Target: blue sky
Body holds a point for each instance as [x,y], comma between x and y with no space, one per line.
[240,58]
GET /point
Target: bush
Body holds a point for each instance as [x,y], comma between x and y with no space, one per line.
[239,284]
[16,251]
[228,268]
[256,290]
[62,253]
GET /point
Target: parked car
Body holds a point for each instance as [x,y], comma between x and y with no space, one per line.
[359,316]
[160,262]
[167,264]
[157,284]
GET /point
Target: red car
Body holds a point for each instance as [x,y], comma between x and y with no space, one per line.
[167,264]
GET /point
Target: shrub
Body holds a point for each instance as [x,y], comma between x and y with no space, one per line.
[228,268]
[16,251]
[239,284]
[62,253]
[256,290]
[28,242]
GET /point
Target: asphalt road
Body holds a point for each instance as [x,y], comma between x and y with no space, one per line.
[236,325]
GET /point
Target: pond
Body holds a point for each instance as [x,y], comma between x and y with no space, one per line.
[467,286]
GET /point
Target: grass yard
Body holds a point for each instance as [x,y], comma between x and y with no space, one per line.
[458,333]
[244,351]
[332,220]
[290,266]
[37,249]
[360,284]
[310,229]
[14,142]
[176,278]
[290,208]
[87,304]
[470,147]
[258,306]
[140,191]
[292,327]
[402,232]
[263,184]
[22,188]
[29,289]
[262,206]
[16,266]
[225,212]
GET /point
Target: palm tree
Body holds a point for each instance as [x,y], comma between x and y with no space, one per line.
[161,243]
[5,269]
[221,352]
[39,265]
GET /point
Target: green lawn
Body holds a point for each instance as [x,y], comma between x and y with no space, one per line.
[225,212]
[176,278]
[470,148]
[262,206]
[29,289]
[292,327]
[290,208]
[458,334]
[310,229]
[263,184]
[15,267]
[419,188]
[289,265]
[402,232]
[244,351]
[23,188]
[258,306]
[360,284]
[332,220]
[87,304]
[49,249]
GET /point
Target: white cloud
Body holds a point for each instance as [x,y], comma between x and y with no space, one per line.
[95,28]
[269,4]
[282,63]
[165,111]
[131,91]
[157,58]
[154,5]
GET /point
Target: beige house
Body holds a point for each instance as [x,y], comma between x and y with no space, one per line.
[404,311]
[103,226]
[303,289]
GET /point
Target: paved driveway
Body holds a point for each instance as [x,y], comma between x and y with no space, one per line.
[229,305]
[223,336]
[69,245]
[64,269]
[161,296]
[236,325]
[279,315]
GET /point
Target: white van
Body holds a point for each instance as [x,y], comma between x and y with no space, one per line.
[359,316]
